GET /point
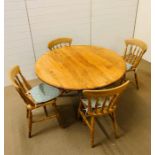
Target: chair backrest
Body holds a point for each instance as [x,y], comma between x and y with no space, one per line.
[134,51]
[20,83]
[60,42]
[104,100]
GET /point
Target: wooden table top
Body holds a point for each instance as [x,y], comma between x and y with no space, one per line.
[80,67]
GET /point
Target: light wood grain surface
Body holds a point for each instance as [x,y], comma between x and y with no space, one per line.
[80,67]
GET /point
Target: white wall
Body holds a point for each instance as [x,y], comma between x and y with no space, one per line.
[51,19]
[143,25]
[18,45]
[112,22]
[100,22]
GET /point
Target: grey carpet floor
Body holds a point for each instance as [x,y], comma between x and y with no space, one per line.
[133,116]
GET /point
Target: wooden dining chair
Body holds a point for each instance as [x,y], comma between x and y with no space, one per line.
[99,103]
[58,43]
[35,97]
[134,52]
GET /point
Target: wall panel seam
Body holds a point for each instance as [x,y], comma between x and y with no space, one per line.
[31,35]
[135,19]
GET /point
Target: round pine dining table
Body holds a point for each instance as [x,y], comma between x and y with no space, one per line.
[80,67]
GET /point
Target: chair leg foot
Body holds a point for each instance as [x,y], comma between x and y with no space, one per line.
[29,135]
[114,123]
[92,138]
[30,124]
[92,145]
[92,131]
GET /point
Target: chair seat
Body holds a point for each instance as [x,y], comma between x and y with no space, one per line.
[43,93]
[93,102]
[128,66]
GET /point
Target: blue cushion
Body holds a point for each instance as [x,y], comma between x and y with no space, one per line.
[93,102]
[128,66]
[43,93]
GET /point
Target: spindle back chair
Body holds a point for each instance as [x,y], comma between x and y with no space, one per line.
[100,103]
[23,88]
[60,42]
[134,51]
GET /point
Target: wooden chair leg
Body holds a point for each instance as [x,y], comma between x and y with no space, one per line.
[30,123]
[114,122]
[136,79]
[27,113]
[92,122]
[45,110]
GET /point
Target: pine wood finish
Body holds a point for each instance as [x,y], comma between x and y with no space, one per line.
[59,43]
[110,95]
[22,87]
[134,51]
[80,67]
